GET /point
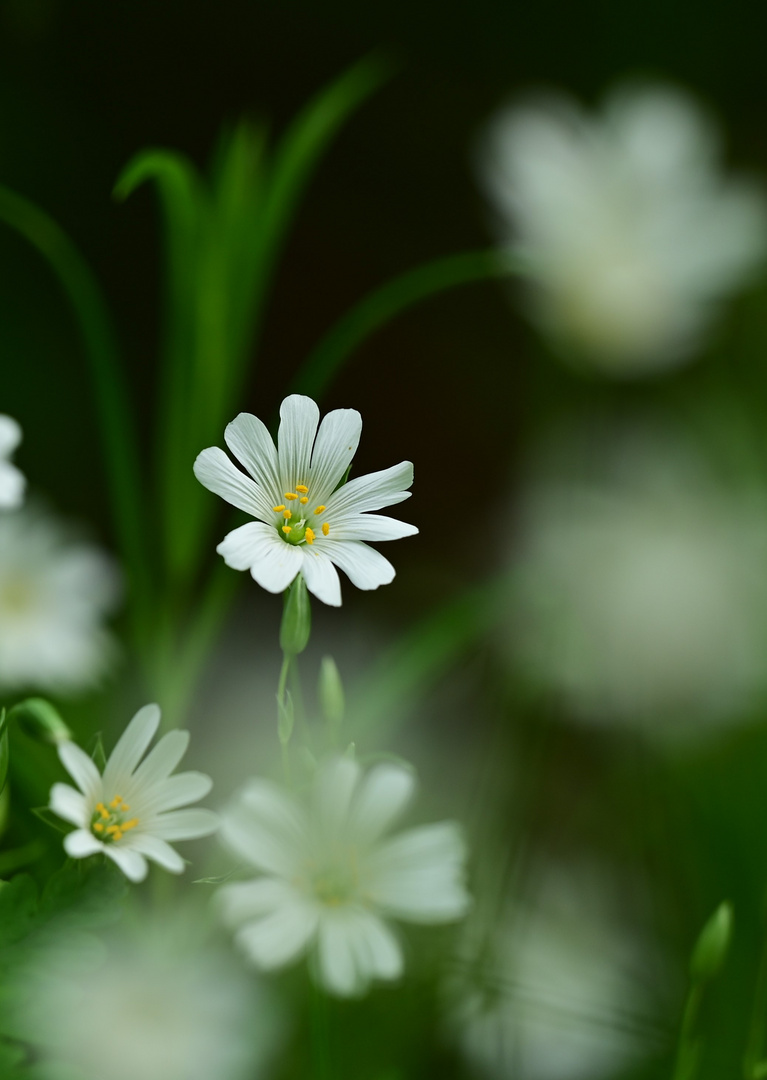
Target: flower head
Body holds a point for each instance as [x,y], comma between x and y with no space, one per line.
[131,812]
[305,522]
[54,595]
[12,482]
[331,876]
[632,232]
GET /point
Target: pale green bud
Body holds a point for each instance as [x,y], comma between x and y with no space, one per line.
[286,719]
[296,619]
[712,945]
[38,719]
[331,694]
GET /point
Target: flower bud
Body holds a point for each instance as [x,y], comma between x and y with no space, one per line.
[331,694]
[296,619]
[712,945]
[38,719]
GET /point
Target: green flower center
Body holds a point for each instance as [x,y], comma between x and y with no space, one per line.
[296,522]
[109,823]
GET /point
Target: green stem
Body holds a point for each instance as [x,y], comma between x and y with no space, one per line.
[109,383]
[320,1025]
[379,307]
[688,1052]
[755,1043]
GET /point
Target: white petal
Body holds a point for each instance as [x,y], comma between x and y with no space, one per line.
[130,748]
[384,955]
[419,875]
[278,938]
[337,956]
[69,804]
[186,787]
[272,562]
[10,435]
[161,761]
[320,576]
[299,417]
[354,947]
[243,901]
[156,849]
[183,824]
[216,472]
[81,769]
[249,440]
[336,445]
[266,827]
[12,486]
[81,843]
[382,797]
[373,491]
[364,566]
[334,787]
[371,527]
[132,863]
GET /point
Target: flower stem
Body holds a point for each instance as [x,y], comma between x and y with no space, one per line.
[755,1044]
[320,1027]
[688,1052]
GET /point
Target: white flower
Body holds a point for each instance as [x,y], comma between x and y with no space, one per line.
[564,991]
[632,233]
[12,482]
[147,1006]
[640,587]
[54,595]
[332,878]
[304,525]
[131,811]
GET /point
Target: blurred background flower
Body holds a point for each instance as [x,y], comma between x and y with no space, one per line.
[12,481]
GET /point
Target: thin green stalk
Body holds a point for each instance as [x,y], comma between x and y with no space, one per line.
[396,296]
[755,1048]
[116,425]
[688,1053]
[320,1027]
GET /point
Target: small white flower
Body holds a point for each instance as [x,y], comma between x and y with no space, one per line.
[632,233]
[55,592]
[131,811]
[303,524]
[12,482]
[332,878]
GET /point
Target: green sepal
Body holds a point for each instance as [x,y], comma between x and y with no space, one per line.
[296,623]
[712,945]
[38,719]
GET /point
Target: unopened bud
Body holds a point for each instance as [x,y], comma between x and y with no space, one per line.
[331,694]
[712,945]
[38,719]
[296,619]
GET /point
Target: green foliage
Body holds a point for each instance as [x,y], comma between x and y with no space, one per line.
[296,625]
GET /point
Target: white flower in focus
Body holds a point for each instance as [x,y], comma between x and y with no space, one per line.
[632,233]
[641,589]
[55,593]
[152,1008]
[132,811]
[565,991]
[303,524]
[331,877]
[12,482]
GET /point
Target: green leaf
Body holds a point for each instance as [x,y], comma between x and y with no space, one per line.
[46,815]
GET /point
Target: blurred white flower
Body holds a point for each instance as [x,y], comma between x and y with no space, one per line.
[304,525]
[641,587]
[632,232]
[12,482]
[152,1007]
[131,811]
[332,878]
[563,991]
[54,595]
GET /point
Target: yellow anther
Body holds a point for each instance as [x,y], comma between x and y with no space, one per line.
[102,809]
[309,536]
[304,499]
[325,529]
[279,509]
[290,496]
[117,834]
[124,807]
[302,488]
[98,826]
[116,801]
[318,509]
[287,529]
[112,829]
[287,515]
[129,824]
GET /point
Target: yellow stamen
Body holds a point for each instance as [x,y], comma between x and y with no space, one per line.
[117,835]
[287,515]
[287,529]
[290,496]
[98,826]
[279,509]
[125,806]
[304,499]
[129,824]
[302,488]
[102,809]
[325,529]
[116,801]
[309,536]
[318,509]
[112,829]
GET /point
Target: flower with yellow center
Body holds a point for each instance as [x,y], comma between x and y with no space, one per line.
[305,523]
[132,811]
[12,482]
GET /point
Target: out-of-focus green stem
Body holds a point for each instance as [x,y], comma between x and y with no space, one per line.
[109,384]
[755,1049]
[396,296]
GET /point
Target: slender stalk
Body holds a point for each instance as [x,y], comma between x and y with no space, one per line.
[688,1052]
[396,296]
[320,1028]
[755,1049]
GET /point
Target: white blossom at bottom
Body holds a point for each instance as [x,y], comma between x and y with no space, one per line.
[12,482]
[332,878]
